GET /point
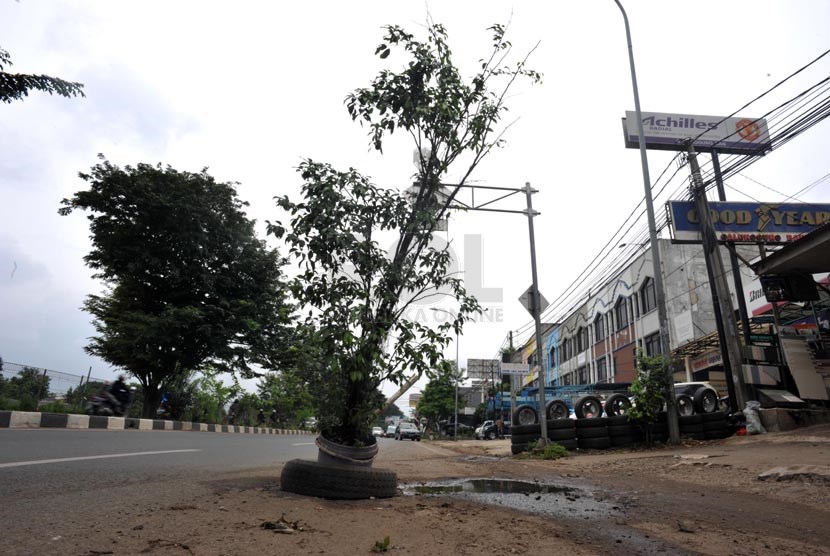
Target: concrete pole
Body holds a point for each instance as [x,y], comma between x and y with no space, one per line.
[536,310]
[659,291]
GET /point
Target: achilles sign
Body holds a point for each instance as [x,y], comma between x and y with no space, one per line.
[669,131]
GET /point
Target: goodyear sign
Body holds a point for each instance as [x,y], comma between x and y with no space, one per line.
[670,131]
[774,223]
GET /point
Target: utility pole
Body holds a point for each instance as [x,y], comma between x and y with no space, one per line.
[717,272]
[536,310]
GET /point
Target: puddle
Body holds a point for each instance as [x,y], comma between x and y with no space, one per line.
[540,498]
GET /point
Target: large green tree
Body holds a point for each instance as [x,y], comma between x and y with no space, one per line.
[437,401]
[16,86]
[287,393]
[355,295]
[188,284]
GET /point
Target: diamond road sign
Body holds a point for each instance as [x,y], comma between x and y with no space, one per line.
[527,302]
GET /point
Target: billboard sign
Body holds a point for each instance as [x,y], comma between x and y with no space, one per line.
[515,369]
[669,132]
[772,223]
[483,368]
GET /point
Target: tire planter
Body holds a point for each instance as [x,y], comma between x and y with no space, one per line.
[525,415]
[593,432]
[591,423]
[337,482]
[706,401]
[601,443]
[527,429]
[617,405]
[556,410]
[337,454]
[588,407]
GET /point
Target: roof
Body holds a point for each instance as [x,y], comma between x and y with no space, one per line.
[808,255]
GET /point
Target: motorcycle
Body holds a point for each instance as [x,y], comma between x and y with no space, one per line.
[105,405]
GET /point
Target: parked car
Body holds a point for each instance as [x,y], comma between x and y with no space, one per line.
[479,432]
[407,430]
[390,431]
[489,431]
[377,431]
[448,428]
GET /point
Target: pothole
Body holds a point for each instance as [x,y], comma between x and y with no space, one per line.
[535,497]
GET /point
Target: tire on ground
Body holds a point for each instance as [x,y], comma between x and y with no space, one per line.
[561,434]
[618,441]
[588,407]
[337,482]
[717,435]
[525,415]
[524,438]
[623,430]
[527,429]
[595,432]
[715,425]
[601,443]
[591,423]
[567,444]
[716,416]
[684,420]
[617,420]
[560,424]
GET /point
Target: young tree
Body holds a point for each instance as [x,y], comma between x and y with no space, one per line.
[188,284]
[288,394]
[354,294]
[649,390]
[15,86]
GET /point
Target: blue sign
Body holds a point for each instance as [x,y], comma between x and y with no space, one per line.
[749,222]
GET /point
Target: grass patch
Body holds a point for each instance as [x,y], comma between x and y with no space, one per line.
[551,451]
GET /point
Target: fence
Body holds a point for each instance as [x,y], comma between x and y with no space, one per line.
[38,383]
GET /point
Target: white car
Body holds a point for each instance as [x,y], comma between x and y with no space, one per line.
[390,431]
[377,431]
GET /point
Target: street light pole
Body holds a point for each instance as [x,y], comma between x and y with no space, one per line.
[456,376]
[659,292]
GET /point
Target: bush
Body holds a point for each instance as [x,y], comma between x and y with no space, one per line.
[9,404]
[550,451]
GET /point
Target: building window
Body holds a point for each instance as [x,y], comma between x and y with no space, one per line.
[599,328]
[652,344]
[602,369]
[635,306]
[552,357]
[647,296]
[583,375]
[585,338]
[621,313]
[580,347]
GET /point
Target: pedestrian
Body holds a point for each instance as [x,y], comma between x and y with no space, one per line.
[500,427]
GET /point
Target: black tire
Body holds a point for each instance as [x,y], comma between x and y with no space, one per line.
[556,410]
[595,432]
[685,405]
[527,429]
[560,424]
[715,425]
[709,417]
[524,438]
[706,401]
[601,443]
[591,423]
[617,420]
[561,434]
[689,420]
[525,415]
[660,428]
[570,445]
[337,482]
[619,441]
[694,435]
[588,407]
[623,430]
[491,435]
[617,405]
[518,448]
[717,435]
[691,429]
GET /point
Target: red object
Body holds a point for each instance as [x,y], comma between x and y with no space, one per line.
[741,432]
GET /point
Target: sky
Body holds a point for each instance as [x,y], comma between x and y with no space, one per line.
[249,89]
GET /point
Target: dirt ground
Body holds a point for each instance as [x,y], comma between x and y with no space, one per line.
[699,498]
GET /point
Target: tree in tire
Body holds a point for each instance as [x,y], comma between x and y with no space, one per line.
[337,482]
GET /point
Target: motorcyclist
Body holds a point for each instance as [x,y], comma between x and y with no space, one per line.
[260,418]
[119,391]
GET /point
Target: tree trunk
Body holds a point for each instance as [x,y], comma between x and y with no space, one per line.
[152,397]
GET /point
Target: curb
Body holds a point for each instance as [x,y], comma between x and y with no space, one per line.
[37,420]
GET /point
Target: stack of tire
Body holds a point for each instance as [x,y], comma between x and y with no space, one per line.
[592,433]
[561,431]
[623,432]
[715,426]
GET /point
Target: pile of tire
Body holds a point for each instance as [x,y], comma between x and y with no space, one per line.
[561,431]
[715,425]
[623,432]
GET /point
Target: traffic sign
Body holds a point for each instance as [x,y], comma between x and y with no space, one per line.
[527,302]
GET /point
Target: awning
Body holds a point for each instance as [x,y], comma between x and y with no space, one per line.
[808,255]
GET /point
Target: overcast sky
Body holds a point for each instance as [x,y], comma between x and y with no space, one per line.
[250,88]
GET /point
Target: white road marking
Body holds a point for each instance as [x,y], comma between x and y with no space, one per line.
[304,444]
[83,458]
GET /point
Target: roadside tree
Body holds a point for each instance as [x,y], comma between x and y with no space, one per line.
[16,86]
[289,395]
[188,284]
[437,401]
[353,294]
